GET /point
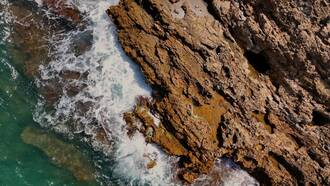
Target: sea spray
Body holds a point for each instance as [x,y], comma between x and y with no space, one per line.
[106,86]
[226,173]
[21,164]
[5,19]
[95,87]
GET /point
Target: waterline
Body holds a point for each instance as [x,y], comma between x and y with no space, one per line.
[110,89]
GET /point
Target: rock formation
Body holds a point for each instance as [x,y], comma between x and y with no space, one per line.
[64,9]
[60,153]
[33,47]
[244,79]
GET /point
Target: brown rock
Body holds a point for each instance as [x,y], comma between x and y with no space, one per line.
[247,80]
[65,9]
[32,35]
[62,154]
[151,164]
[153,132]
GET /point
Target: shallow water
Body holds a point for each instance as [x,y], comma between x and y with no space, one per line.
[96,83]
[22,164]
[110,89]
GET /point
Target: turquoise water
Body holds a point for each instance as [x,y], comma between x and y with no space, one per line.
[30,156]
[22,164]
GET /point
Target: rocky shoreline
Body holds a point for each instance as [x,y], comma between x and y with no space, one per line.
[247,80]
[35,48]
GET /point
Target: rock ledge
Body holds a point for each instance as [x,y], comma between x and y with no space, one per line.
[248,80]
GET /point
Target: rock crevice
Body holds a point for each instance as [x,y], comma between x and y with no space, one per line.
[248,80]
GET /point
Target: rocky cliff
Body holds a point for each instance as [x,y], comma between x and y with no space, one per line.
[244,79]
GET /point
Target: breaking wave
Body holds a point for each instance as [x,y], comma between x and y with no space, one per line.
[107,86]
[96,83]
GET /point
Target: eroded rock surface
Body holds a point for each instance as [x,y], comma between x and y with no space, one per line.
[248,80]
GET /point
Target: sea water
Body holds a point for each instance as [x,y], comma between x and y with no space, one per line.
[110,88]
[22,164]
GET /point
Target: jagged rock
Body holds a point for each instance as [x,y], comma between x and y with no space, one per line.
[155,133]
[248,80]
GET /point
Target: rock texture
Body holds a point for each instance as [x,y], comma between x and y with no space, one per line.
[65,9]
[244,79]
[34,46]
[36,31]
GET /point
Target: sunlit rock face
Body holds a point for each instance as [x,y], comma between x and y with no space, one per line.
[248,80]
[230,78]
[61,153]
[86,84]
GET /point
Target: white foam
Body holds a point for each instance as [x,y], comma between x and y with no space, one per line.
[113,83]
[5,19]
[226,173]
[39,2]
[155,118]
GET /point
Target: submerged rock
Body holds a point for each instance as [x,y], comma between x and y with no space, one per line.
[65,9]
[30,37]
[36,31]
[248,80]
[60,153]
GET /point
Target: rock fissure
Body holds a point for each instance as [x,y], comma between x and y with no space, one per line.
[248,80]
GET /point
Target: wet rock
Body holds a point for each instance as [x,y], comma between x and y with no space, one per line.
[141,120]
[248,80]
[224,172]
[151,164]
[62,154]
[65,9]
[34,33]
[30,37]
